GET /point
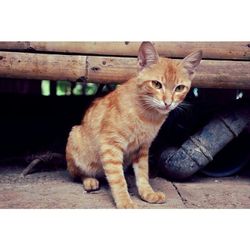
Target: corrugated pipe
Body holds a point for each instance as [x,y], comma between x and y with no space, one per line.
[200,148]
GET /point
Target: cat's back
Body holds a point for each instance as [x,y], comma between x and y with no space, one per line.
[101,110]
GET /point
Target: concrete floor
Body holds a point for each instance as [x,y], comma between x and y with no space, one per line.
[55,189]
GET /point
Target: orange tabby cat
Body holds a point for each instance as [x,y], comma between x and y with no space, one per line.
[118,129]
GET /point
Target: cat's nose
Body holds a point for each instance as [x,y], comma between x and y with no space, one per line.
[167,104]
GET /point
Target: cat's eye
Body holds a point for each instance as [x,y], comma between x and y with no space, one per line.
[180,88]
[157,84]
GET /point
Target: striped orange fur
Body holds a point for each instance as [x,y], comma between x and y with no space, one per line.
[118,129]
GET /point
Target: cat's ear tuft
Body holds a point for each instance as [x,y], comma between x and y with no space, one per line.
[192,61]
[147,55]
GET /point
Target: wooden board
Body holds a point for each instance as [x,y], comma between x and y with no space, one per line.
[42,66]
[98,69]
[210,73]
[211,50]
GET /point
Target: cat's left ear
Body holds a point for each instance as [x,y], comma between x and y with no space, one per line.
[147,55]
[191,62]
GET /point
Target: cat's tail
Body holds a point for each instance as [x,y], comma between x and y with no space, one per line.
[43,159]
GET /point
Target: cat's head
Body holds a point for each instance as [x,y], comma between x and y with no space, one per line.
[164,83]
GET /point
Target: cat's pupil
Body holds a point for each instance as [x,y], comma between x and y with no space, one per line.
[157,84]
[180,88]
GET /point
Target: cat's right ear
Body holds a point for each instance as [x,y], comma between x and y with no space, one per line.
[191,62]
[147,55]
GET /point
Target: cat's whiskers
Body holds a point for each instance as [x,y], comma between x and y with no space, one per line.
[185,104]
[147,106]
[183,109]
[152,102]
[146,102]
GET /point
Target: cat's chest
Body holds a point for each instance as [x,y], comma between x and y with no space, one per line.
[133,147]
[140,136]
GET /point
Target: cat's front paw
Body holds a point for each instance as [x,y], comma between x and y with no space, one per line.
[154,197]
[126,204]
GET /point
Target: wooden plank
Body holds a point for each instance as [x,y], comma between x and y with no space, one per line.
[210,74]
[111,69]
[42,66]
[211,50]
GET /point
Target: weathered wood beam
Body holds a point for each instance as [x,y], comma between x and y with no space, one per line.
[98,69]
[211,50]
[42,66]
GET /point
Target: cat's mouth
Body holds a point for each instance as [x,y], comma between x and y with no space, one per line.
[167,109]
[164,110]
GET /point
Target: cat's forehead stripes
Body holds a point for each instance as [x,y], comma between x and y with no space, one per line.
[172,72]
[168,72]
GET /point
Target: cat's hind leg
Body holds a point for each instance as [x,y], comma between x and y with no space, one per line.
[90,183]
[71,167]
[80,163]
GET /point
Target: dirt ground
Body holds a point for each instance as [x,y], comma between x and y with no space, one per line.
[55,189]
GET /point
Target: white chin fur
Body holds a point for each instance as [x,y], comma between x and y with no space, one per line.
[163,111]
[173,106]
